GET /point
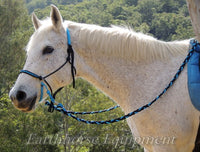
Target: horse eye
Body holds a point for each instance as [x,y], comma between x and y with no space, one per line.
[48,50]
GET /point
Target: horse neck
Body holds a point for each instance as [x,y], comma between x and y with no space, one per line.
[121,77]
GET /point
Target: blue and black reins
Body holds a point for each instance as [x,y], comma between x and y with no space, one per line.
[195,46]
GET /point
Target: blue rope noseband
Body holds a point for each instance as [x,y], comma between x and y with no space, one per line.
[195,46]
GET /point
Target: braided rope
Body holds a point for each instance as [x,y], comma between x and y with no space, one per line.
[60,108]
[81,113]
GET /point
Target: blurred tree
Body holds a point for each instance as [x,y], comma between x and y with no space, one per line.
[148,8]
[131,2]
[166,25]
[14,31]
[169,6]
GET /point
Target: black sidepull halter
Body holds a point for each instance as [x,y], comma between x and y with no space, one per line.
[70,59]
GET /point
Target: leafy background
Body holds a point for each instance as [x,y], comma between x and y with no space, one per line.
[43,131]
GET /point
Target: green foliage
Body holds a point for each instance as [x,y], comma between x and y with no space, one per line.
[14,31]
[43,131]
[147,8]
[166,26]
[169,6]
[40,4]
[163,19]
[94,137]
[18,127]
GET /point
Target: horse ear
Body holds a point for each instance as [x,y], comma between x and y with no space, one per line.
[56,17]
[36,21]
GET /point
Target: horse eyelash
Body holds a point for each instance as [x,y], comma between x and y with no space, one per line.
[47,50]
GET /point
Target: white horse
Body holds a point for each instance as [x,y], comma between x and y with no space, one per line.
[129,67]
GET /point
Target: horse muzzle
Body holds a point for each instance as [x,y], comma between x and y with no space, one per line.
[22,100]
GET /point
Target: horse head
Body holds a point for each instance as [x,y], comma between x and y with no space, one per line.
[46,51]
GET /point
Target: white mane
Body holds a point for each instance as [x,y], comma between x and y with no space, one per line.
[126,43]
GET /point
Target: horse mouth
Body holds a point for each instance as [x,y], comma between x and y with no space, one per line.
[32,105]
[28,108]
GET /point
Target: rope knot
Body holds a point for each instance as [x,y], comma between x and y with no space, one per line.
[40,78]
[51,107]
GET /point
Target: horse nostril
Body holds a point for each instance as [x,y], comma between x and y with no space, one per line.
[21,95]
